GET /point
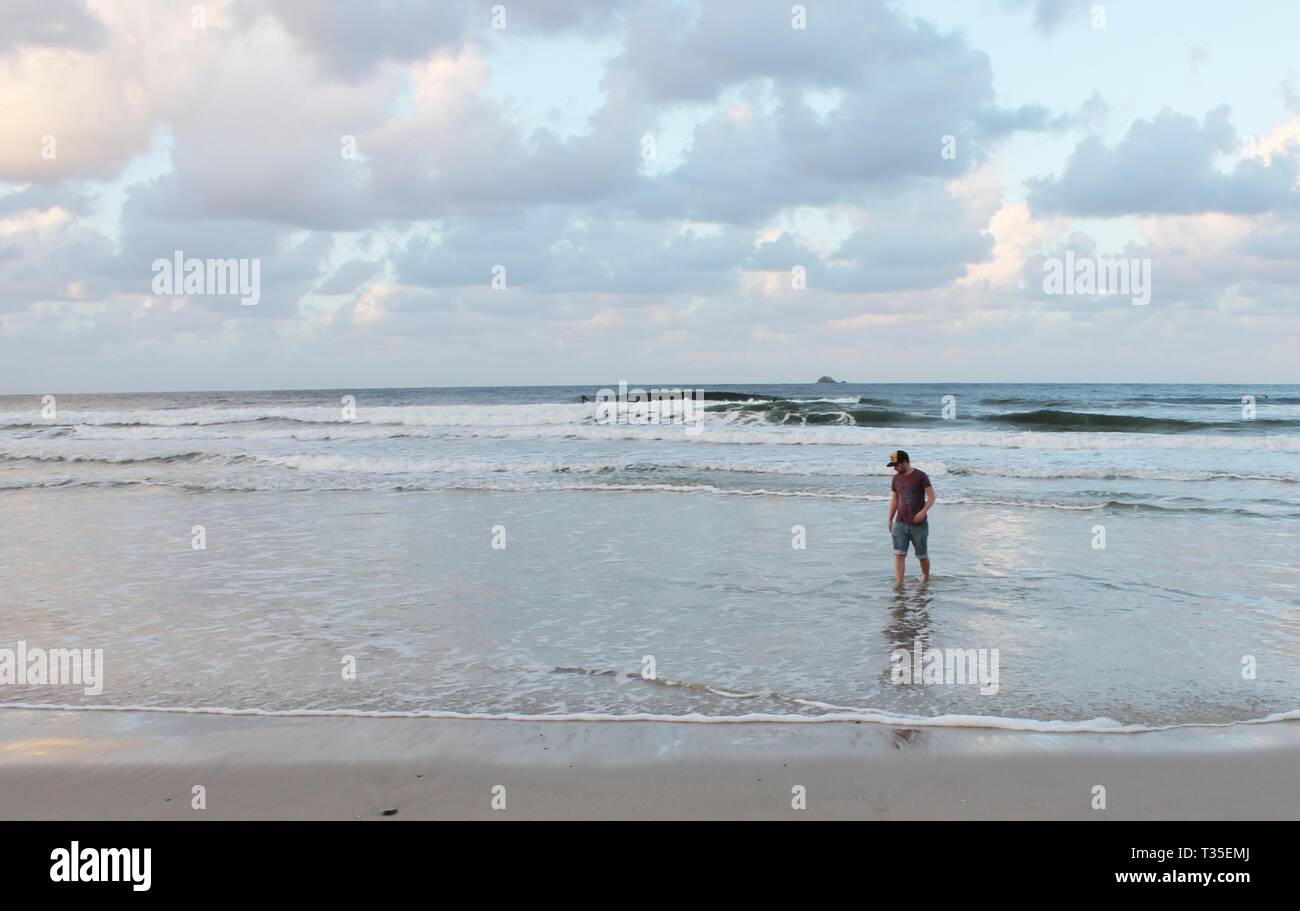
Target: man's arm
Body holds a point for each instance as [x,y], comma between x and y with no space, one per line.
[893,508]
[929,501]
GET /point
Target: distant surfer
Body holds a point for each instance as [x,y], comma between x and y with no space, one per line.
[911,501]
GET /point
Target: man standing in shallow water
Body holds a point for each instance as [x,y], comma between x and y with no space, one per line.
[911,501]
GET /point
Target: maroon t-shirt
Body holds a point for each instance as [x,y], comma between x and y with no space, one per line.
[910,488]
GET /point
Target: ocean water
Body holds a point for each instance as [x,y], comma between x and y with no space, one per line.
[501,552]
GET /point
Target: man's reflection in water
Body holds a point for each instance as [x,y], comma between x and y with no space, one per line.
[909,617]
[909,621]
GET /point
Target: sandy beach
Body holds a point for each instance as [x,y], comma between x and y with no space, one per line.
[141,765]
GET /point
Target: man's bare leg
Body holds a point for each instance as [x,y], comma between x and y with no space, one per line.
[898,568]
[925,569]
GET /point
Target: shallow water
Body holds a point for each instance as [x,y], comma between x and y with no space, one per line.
[373,539]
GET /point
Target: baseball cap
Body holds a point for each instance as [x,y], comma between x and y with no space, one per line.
[897,456]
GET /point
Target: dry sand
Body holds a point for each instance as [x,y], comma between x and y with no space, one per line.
[140,765]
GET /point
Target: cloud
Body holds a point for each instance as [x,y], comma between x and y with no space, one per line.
[895,110]
[349,40]
[348,277]
[84,109]
[265,139]
[1167,165]
[575,252]
[47,255]
[38,198]
[1048,15]
[1197,263]
[254,132]
[50,24]
[909,240]
[822,147]
[458,151]
[291,262]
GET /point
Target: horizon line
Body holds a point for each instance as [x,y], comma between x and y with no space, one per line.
[636,385]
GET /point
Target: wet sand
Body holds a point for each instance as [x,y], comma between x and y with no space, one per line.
[141,765]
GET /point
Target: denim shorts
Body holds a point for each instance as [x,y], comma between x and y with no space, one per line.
[917,534]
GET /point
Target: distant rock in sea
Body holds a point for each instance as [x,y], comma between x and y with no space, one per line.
[829,379]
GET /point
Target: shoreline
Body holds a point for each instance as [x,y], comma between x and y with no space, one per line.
[143,765]
[833,715]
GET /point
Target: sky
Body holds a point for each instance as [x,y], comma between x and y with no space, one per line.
[666,191]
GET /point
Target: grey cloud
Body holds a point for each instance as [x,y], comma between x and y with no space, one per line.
[736,171]
[470,159]
[1260,272]
[1050,14]
[465,156]
[43,197]
[912,253]
[349,39]
[290,262]
[348,277]
[1281,242]
[73,263]
[466,252]
[50,23]
[864,47]
[572,253]
[561,16]
[65,261]
[1093,113]
[782,254]
[70,261]
[1084,248]
[268,144]
[1290,97]
[894,106]
[911,241]
[1167,165]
